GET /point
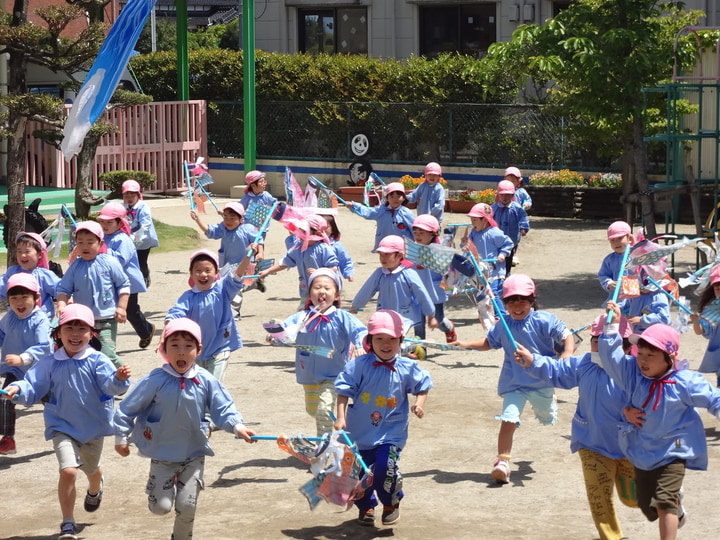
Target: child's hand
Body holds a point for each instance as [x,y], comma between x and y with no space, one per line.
[611,285]
[244,433]
[122,449]
[351,278]
[339,424]
[349,204]
[14,360]
[523,356]
[309,271]
[354,310]
[10,392]
[634,320]
[123,373]
[417,410]
[615,308]
[635,416]
[432,322]
[120,314]
[501,258]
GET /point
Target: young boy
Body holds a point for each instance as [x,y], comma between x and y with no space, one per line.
[97,280]
[510,218]
[430,195]
[672,436]
[619,236]
[164,416]
[25,338]
[80,382]
[141,225]
[378,384]
[255,190]
[522,197]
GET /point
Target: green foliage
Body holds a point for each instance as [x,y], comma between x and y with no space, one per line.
[114,179]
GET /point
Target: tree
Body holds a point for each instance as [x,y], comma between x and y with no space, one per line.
[599,55]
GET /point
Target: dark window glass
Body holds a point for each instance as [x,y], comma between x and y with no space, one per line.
[341,30]
[468,29]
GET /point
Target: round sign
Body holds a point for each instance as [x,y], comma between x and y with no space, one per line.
[360,144]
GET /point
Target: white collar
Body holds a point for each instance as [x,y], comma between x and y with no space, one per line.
[189,374]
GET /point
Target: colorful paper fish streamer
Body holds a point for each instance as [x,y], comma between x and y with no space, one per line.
[434,257]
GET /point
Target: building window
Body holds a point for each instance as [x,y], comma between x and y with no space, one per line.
[467,29]
[336,30]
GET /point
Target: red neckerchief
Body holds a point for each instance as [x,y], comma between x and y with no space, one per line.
[389,365]
[657,388]
[320,318]
[182,382]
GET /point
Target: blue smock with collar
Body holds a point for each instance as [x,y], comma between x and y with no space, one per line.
[121,246]
[491,242]
[47,280]
[317,255]
[28,337]
[233,244]
[141,225]
[711,359]
[511,219]
[652,307]
[429,199]
[389,221]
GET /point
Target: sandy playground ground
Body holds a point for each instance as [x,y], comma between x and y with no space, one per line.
[251,491]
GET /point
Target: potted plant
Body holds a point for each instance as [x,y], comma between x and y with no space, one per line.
[465,200]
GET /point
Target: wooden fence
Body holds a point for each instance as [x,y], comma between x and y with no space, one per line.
[156,138]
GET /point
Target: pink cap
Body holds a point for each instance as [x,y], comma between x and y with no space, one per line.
[91,227]
[236,207]
[391,244]
[43,261]
[207,253]
[618,229]
[483,210]
[77,312]
[394,186]
[317,222]
[179,325]
[715,274]
[131,185]
[433,168]
[662,336]
[597,326]
[505,187]
[24,280]
[386,321]
[254,176]
[514,171]
[519,284]
[427,222]
[113,210]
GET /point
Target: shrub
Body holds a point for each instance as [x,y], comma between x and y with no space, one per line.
[564,177]
[113,180]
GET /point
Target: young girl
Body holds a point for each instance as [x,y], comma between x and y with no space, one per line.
[378,384]
[345,263]
[113,221]
[522,197]
[619,234]
[426,230]
[32,258]
[80,383]
[208,304]
[25,339]
[255,190]
[392,217]
[398,287]
[510,218]
[711,359]
[537,331]
[672,437]
[324,324]
[430,195]
[164,415]
[141,225]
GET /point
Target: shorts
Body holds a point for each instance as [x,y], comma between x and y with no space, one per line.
[658,489]
[543,402]
[72,454]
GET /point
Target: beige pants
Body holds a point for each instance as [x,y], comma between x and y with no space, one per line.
[320,404]
[601,473]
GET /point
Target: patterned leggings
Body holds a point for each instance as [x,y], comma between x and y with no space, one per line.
[387,480]
[320,403]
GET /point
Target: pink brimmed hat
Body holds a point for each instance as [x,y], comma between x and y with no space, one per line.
[252,177]
[391,244]
[92,227]
[518,284]
[179,325]
[77,312]
[433,168]
[393,187]
[427,222]
[384,321]
[483,210]
[236,207]
[505,187]
[662,336]
[618,229]
[43,261]
[24,280]
[513,171]
[131,185]
[116,210]
[715,274]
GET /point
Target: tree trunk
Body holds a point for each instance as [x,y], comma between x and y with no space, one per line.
[84,198]
[645,193]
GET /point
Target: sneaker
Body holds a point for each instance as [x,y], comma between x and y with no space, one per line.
[451,335]
[92,502]
[682,514]
[145,342]
[501,471]
[516,261]
[391,514]
[68,531]
[7,445]
[260,284]
[367,517]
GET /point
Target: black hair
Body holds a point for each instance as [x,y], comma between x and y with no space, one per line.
[707,296]
[404,201]
[642,343]
[532,297]
[94,340]
[183,334]
[203,257]
[24,239]
[18,290]
[333,230]
[234,212]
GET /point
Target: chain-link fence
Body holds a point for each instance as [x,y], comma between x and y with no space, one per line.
[484,135]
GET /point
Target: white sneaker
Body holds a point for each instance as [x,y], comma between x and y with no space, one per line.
[682,514]
[501,471]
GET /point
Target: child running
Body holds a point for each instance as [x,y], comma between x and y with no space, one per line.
[619,234]
[711,359]
[164,416]
[378,383]
[141,225]
[522,197]
[255,190]
[392,217]
[594,434]
[510,218]
[538,331]
[32,258]
[430,195]
[324,324]
[80,383]
[25,339]
[671,437]
[345,263]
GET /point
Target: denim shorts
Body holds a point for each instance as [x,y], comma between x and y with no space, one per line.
[543,403]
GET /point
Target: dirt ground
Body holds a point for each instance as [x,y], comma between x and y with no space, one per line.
[251,491]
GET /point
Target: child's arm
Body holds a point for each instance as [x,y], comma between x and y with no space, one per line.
[62,301]
[242,267]
[121,309]
[569,347]
[272,270]
[479,345]
[200,223]
[342,402]
[417,408]
[697,327]
[634,416]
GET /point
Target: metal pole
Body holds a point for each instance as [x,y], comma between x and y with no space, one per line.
[181,25]
[248,26]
